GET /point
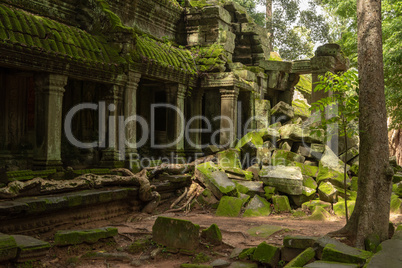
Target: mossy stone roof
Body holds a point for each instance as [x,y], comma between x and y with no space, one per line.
[30,32]
[164,54]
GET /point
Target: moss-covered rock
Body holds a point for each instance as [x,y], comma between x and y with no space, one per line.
[229,206]
[229,158]
[301,109]
[302,259]
[212,235]
[311,205]
[307,170]
[281,203]
[251,188]
[287,180]
[286,158]
[269,192]
[282,112]
[342,253]
[298,241]
[207,198]
[246,254]
[257,206]
[266,254]
[8,248]
[327,192]
[319,214]
[139,245]
[74,237]
[176,233]
[30,249]
[216,180]
[339,207]
[336,178]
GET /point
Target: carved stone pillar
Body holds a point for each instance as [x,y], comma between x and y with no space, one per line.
[113,102]
[193,137]
[176,95]
[130,113]
[328,58]
[49,89]
[228,127]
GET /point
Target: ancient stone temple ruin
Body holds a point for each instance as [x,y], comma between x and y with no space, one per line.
[71,71]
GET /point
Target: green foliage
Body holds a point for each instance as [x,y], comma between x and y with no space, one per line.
[342,105]
[344,26]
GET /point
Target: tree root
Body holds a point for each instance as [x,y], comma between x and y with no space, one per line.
[194,190]
[179,199]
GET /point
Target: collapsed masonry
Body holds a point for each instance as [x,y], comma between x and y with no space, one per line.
[124,58]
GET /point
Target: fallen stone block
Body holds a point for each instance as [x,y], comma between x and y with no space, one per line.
[229,158]
[281,203]
[327,192]
[287,180]
[217,181]
[176,233]
[250,188]
[30,249]
[298,241]
[304,257]
[212,234]
[8,247]
[319,214]
[340,252]
[286,158]
[229,206]
[266,254]
[74,237]
[288,254]
[257,206]
[389,254]
[330,264]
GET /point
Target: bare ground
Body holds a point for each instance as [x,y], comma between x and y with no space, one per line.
[138,226]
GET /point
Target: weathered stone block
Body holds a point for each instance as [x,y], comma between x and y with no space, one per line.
[281,203]
[229,158]
[251,188]
[327,192]
[229,206]
[30,249]
[342,253]
[176,233]
[257,206]
[217,181]
[286,158]
[8,248]
[288,180]
[266,254]
[282,112]
[73,237]
[212,234]
[298,241]
[304,257]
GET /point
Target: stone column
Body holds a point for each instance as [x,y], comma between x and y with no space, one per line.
[177,92]
[319,66]
[113,103]
[130,110]
[49,89]
[229,116]
[196,124]
[328,58]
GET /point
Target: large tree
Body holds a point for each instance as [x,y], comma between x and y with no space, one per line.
[371,214]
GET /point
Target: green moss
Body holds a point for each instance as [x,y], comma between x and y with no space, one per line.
[229,206]
[303,258]
[351,255]
[396,204]
[212,234]
[201,258]
[269,192]
[281,203]
[139,245]
[246,254]
[81,236]
[319,214]
[265,253]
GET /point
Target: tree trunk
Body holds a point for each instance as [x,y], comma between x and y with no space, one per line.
[371,214]
[268,6]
